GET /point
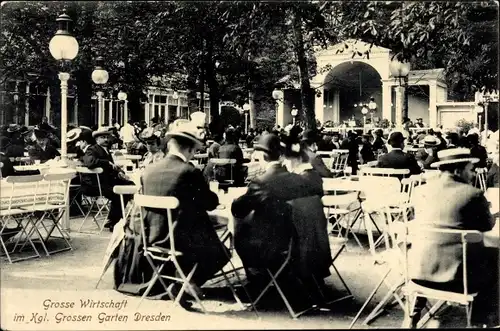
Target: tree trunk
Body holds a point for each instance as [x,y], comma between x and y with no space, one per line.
[84,92]
[306,107]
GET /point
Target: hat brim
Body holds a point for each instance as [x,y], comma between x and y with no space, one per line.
[73,135]
[99,134]
[461,160]
[196,141]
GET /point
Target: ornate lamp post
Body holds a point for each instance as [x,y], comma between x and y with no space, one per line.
[483,99]
[400,70]
[63,47]
[364,111]
[277,96]
[100,77]
[122,96]
[246,111]
[294,112]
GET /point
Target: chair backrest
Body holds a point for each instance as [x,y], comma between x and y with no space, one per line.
[369,171]
[481,178]
[57,190]
[96,172]
[216,161]
[340,200]
[121,190]
[417,231]
[408,184]
[340,184]
[157,202]
[23,191]
[380,188]
[339,159]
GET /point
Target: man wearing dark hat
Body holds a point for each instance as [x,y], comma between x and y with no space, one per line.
[428,155]
[263,223]
[451,202]
[16,146]
[310,139]
[396,158]
[419,123]
[7,167]
[194,234]
[98,156]
[42,150]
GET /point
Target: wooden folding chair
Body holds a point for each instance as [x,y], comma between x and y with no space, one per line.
[54,207]
[412,290]
[387,172]
[164,255]
[224,164]
[340,213]
[481,178]
[339,161]
[23,190]
[94,201]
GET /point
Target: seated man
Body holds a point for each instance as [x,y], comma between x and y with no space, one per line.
[194,234]
[428,155]
[263,224]
[98,156]
[396,158]
[451,202]
[43,150]
[7,167]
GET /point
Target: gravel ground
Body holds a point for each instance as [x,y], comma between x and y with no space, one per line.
[71,277]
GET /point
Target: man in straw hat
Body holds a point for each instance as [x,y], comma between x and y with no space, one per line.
[98,156]
[396,158]
[451,202]
[194,234]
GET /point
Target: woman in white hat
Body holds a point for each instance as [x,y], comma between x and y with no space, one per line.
[451,202]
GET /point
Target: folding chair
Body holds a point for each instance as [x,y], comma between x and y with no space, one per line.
[387,172]
[94,201]
[339,161]
[224,164]
[54,207]
[481,178]
[340,214]
[412,290]
[23,191]
[164,255]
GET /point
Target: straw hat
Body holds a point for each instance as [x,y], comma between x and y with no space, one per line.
[73,134]
[454,155]
[13,128]
[186,130]
[430,141]
[102,131]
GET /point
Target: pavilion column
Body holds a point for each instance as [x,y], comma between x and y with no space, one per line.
[336,106]
[125,112]
[47,103]
[400,104]
[27,105]
[386,101]
[319,102]
[75,108]
[433,114]
[110,113]
[280,109]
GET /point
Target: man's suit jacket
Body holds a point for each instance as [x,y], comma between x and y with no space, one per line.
[317,163]
[263,224]
[425,158]
[7,168]
[481,153]
[448,203]
[37,153]
[397,159]
[194,233]
[96,157]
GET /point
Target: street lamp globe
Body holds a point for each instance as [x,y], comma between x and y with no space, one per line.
[122,96]
[175,96]
[364,110]
[276,94]
[99,76]
[246,107]
[399,69]
[63,46]
[294,111]
[372,105]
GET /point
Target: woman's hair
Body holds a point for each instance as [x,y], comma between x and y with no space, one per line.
[294,147]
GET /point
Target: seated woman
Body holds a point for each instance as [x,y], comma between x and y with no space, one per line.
[153,144]
[312,258]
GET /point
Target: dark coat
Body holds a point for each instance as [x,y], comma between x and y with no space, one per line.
[263,218]
[8,168]
[379,144]
[366,152]
[312,254]
[317,162]
[37,153]
[352,159]
[397,159]
[15,150]
[96,157]
[227,151]
[460,206]
[481,153]
[194,234]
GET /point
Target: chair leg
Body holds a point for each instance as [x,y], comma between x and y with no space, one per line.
[383,303]
[423,321]
[409,311]
[468,313]
[153,280]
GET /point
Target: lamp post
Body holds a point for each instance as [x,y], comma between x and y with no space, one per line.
[246,110]
[122,96]
[400,70]
[294,114]
[364,111]
[277,97]
[100,77]
[175,96]
[483,99]
[63,47]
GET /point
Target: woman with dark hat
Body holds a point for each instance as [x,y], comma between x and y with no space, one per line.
[43,150]
[313,255]
[16,146]
[366,151]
